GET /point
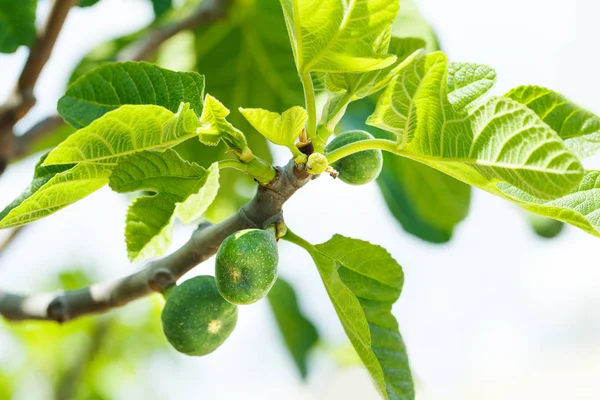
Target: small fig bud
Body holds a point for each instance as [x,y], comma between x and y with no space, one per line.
[316,164]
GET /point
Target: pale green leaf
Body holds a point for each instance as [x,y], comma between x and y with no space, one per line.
[150,218]
[498,141]
[578,127]
[468,82]
[299,333]
[580,208]
[214,127]
[196,204]
[126,130]
[363,282]
[115,84]
[17,24]
[363,84]
[339,36]
[52,189]
[282,129]
[410,23]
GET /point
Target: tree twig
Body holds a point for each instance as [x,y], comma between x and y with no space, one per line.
[11,237]
[208,11]
[23,99]
[264,209]
[27,141]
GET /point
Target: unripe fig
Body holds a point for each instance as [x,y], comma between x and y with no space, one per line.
[316,164]
[196,319]
[246,265]
[358,168]
[545,227]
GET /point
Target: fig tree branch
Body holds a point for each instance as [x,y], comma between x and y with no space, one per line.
[23,99]
[263,210]
[207,12]
[10,238]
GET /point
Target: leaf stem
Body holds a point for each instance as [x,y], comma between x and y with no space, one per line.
[298,241]
[338,112]
[235,164]
[370,144]
[311,104]
[257,168]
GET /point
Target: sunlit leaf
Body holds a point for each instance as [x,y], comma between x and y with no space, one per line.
[363,84]
[52,189]
[339,36]
[126,130]
[214,126]
[498,141]
[579,128]
[580,208]
[282,129]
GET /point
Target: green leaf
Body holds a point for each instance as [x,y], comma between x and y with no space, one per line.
[160,7]
[196,205]
[499,141]
[299,333]
[467,83]
[150,218]
[115,84]
[52,189]
[580,208]
[363,84]
[426,202]
[410,23]
[363,282]
[126,130]
[215,127]
[17,24]
[339,36]
[282,129]
[87,3]
[579,128]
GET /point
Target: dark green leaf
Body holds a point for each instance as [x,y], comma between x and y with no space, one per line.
[17,24]
[113,85]
[363,282]
[150,218]
[161,7]
[299,334]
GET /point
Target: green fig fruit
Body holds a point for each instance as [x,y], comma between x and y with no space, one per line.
[358,168]
[246,265]
[196,319]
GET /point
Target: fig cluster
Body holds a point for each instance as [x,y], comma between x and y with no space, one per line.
[201,313]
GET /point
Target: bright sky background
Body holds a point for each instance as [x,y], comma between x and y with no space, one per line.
[496,314]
